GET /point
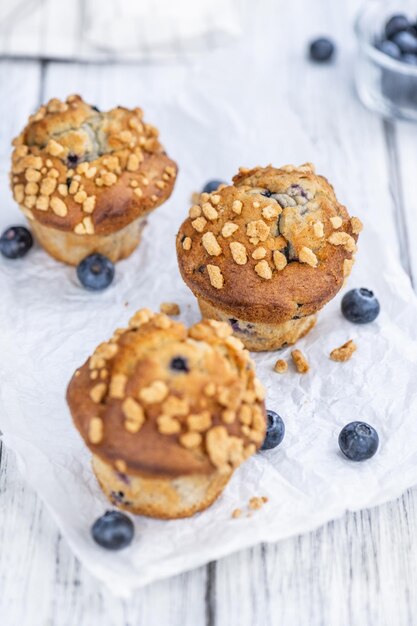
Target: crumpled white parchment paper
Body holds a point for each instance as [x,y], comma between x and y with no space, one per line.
[49,325]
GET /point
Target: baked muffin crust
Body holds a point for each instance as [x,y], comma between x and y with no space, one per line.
[161,400]
[274,246]
[88,172]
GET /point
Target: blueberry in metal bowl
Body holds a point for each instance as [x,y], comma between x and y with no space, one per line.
[395,24]
[389,48]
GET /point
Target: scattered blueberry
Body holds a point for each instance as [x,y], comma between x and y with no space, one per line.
[390,48]
[95,272]
[212,185]
[179,364]
[358,441]
[113,530]
[322,49]
[15,242]
[395,25]
[275,431]
[406,41]
[360,306]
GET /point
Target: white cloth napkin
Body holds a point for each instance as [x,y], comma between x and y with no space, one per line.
[161,26]
[123,30]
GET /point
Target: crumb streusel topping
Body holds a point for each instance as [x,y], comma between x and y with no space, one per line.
[196,387]
[70,154]
[268,221]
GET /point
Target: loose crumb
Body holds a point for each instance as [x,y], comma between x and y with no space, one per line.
[281,366]
[257,502]
[300,362]
[343,353]
[170,308]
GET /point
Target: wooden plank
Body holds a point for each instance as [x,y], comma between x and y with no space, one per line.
[357,570]
[41,582]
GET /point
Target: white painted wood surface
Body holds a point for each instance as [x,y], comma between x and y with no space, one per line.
[360,570]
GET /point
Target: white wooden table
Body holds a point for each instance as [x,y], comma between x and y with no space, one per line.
[360,570]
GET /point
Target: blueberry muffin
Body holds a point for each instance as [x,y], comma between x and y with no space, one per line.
[266,253]
[168,413]
[86,179]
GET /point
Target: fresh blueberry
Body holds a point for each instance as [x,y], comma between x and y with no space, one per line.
[113,530]
[395,25]
[411,59]
[358,441]
[406,41]
[360,306]
[179,364]
[15,242]
[95,272]
[212,185]
[275,431]
[390,48]
[322,49]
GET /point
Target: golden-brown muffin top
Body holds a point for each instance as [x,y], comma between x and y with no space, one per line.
[158,399]
[79,169]
[273,245]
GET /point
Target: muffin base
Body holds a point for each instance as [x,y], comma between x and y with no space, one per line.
[71,248]
[260,337]
[160,497]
